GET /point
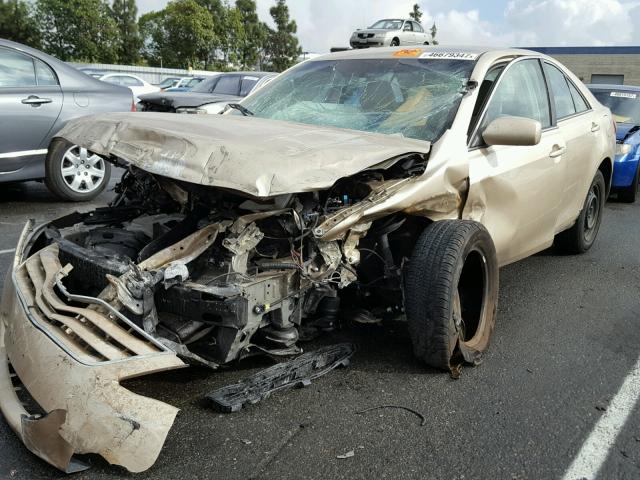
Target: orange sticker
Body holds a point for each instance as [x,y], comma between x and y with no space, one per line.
[408,52]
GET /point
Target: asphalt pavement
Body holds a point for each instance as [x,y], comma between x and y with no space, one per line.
[566,338]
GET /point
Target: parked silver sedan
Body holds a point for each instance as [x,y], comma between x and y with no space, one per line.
[390,32]
[38,96]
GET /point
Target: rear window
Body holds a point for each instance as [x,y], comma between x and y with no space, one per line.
[247,85]
[206,86]
[624,104]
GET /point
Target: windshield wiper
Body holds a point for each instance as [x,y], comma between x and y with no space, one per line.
[236,106]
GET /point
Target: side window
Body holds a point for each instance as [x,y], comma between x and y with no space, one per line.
[561,93]
[408,27]
[522,92]
[247,85]
[483,93]
[130,81]
[112,80]
[228,85]
[45,75]
[417,27]
[578,99]
[16,69]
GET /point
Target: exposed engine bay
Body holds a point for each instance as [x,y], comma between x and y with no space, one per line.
[216,275]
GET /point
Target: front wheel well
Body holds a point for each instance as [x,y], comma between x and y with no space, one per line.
[607,170]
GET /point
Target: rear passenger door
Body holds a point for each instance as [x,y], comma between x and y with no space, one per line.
[418,34]
[30,102]
[516,191]
[579,131]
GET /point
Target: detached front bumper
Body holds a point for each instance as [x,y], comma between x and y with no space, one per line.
[70,353]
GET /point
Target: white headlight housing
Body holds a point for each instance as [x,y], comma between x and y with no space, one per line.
[210,108]
[190,110]
[622,148]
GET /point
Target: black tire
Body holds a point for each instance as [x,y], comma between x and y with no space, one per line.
[579,238]
[55,180]
[395,43]
[629,194]
[451,294]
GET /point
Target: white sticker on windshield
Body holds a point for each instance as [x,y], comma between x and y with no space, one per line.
[624,95]
[450,55]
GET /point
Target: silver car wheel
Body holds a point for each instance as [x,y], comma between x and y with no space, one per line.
[82,171]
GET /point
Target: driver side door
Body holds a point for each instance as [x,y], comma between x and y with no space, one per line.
[516,191]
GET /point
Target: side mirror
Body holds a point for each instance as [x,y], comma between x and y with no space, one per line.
[517,131]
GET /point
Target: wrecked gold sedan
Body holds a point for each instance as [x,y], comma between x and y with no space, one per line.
[358,185]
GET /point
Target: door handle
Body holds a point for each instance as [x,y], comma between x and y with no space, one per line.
[595,127]
[34,100]
[557,151]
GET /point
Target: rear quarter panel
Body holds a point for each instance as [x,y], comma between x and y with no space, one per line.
[80,102]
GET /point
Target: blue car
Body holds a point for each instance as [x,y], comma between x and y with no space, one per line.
[624,103]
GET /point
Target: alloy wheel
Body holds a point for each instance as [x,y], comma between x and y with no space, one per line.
[82,171]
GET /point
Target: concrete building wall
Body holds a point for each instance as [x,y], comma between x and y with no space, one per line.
[585,66]
[586,62]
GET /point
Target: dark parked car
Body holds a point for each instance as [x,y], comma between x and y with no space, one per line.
[209,96]
[38,96]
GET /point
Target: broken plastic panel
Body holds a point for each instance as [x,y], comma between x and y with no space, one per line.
[298,372]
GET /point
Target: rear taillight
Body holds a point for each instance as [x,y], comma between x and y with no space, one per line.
[133,106]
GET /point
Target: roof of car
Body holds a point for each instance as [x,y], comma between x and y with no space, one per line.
[392,52]
[256,74]
[607,86]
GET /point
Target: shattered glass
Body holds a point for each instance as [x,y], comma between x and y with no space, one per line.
[410,97]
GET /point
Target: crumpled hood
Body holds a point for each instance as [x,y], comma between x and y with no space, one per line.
[257,156]
[186,99]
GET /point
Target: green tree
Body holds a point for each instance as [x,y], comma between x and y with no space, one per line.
[416,13]
[82,30]
[434,31]
[251,36]
[125,13]
[214,7]
[182,35]
[230,35]
[282,49]
[17,23]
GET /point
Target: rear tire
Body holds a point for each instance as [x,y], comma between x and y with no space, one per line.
[580,237]
[451,294]
[74,174]
[629,194]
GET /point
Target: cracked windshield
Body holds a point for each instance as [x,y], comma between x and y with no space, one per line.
[415,98]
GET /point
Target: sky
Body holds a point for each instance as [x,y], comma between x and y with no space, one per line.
[323,24]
